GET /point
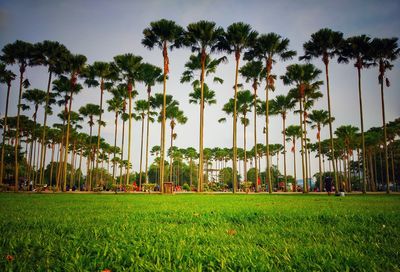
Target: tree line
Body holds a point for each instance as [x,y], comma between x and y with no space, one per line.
[260,53]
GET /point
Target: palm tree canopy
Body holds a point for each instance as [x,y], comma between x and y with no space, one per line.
[19,52]
[35,96]
[201,35]
[129,67]
[237,37]
[252,71]
[282,104]
[6,76]
[356,48]
[90,110]
[163,31]
[303,76]
[98,69]
[293,132]
[268,46]
[194,65]
[325,42]
[208,95]
[319,117]
[53,55]
[150,74]
[384,51]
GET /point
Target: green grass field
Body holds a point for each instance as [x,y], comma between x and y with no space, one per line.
[94,232]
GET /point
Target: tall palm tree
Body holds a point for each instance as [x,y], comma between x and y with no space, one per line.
[191,154]
[90,111]
[149,75]
[95,75]
[266,48]
[238,37]
[358,48]
[293,132]
[202,37]
[385,51]
[36,97]
[163,34]
[19,52]
[194,65]
[281,105]
[319,118]
[325,43]
[53,55]
[175,115]
[142,109]
[252,71]
[244,103]
[76,65]
[304,78]
[115,104]
[6,76]
[129,66]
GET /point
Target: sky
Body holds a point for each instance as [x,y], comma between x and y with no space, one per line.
[102,29]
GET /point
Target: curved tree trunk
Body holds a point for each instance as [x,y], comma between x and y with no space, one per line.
[255,135]
[364,188]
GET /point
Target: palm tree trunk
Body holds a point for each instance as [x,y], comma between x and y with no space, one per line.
[115,143]
[21,79]
[89,158]
[43,152]
[71,180]
[122,149]
[67,142]
[170,157]
[284,149]
[330,125]
[162,155]
[80,170]
[4,134]
[268,176]
[51,165]
[245,155]
[255,134]
[319,160]
[99,129]
[147,134]
[309,169]
[141,154]
[385,139]
[201,153]
[364,188]
[302,148]
[127,181]
[305,146]
[294,164]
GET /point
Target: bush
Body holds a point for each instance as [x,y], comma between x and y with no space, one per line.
[186,187]
[148,187]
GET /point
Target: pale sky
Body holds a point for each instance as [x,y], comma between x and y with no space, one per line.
[102,29]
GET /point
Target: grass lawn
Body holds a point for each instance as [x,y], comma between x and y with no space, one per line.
[94,232]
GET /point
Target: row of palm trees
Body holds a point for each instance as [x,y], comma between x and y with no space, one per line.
[203,37]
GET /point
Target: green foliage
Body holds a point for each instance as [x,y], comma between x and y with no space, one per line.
[87,232]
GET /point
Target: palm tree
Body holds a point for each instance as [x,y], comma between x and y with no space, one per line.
[358,48]
[385,51]
[129,66]
[281,105]
[149,75]
[252,71]
[53,55]
[194,65]
[293,132]
[202,36]
[89,111]
[267,47]
[238,37]
[21,53]
[325,43]
[76,65]
[304,77]
[6,76]
[102,71]
[175,115]
[36,97]
[163,34]
[142,108]
[115,104]
[191,154]
[244,103]
[347,134]
[319,118]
